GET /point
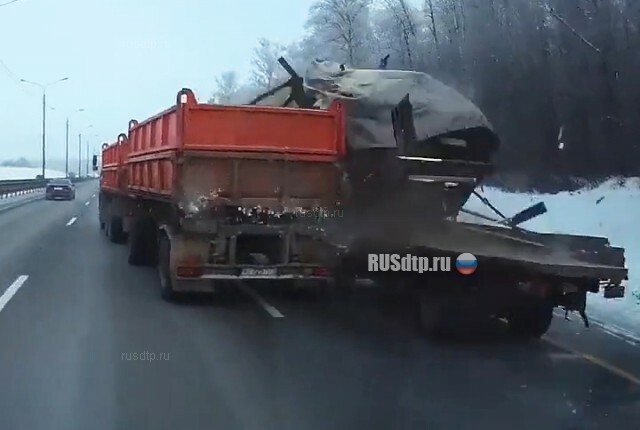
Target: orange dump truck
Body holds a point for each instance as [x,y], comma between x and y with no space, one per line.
[213,193]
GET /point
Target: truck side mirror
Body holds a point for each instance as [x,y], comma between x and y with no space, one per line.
[95,163]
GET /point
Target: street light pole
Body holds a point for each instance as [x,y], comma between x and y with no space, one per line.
[44,116]
[87,161]
[66,158]
[44,129]
[79,154]
[66,149]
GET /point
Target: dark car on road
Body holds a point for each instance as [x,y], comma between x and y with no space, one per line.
[60,189]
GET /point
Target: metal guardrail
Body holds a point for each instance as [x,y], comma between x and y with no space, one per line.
[16,187]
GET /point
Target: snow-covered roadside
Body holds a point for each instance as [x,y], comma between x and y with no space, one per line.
[610,211]
[7,173]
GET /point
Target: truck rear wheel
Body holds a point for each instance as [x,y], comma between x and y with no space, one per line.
[101,208]
[143,243]
[164,269]
[532,321]
[115,230]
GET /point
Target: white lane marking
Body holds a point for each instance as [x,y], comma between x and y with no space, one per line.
[563,356]
[71,221]
[617,332]
[609,329]
[271,310]
[87,204]
[93,196]
[12,290]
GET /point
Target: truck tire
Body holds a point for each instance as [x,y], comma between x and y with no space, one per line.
[530,322]
[101,209]
[115,231]
[164,269]
[143,243]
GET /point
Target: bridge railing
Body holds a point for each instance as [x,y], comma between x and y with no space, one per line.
[16,187]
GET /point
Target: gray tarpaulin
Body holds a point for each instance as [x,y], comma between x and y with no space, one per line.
[371,94]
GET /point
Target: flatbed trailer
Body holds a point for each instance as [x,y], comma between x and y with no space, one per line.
[213,193]
[520,276]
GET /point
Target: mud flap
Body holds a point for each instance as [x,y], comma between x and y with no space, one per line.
[576,302]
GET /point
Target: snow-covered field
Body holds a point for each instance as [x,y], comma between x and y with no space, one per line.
[609,210]
[7,173]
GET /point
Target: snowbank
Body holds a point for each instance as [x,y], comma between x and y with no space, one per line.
[610,211]
[7,173]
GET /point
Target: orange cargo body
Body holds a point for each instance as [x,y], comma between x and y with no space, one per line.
[259,155]
[114,176]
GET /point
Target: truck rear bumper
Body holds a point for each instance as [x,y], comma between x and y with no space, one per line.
[278,272]
[247,277]
[210,282]
[193,285]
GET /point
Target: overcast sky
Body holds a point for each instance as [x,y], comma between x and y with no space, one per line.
[124,59]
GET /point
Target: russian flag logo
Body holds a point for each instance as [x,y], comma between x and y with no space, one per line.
[466,263]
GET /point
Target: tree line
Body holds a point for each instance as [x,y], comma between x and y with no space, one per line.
[558,79]
[20,162]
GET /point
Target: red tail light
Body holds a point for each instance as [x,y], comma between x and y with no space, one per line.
[190,267]
[320,271]
[190,271]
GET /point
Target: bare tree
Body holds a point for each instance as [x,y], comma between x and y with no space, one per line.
[431,16]
[403,19]
[227,87]
[343,23]
[267,72]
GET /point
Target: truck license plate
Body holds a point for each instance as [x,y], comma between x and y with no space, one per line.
[250,271]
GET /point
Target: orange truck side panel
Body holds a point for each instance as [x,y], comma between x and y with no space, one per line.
[114,156]
[152,156]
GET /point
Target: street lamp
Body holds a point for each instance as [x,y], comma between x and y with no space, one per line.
[44,115]
[66,160]
[66,156]
[80,151]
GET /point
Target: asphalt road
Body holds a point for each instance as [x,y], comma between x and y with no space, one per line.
[79,329]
